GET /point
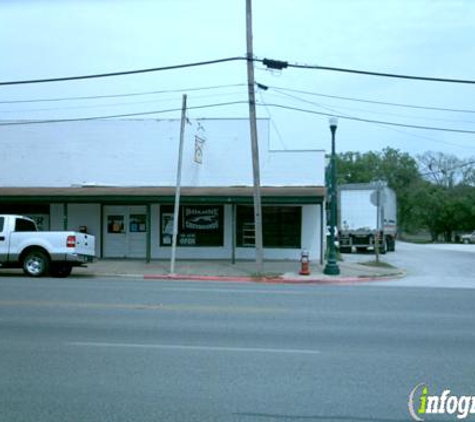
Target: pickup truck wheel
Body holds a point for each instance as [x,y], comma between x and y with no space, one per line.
[61,270]
[466,241]
[36,264]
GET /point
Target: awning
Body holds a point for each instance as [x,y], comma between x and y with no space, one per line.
[147,195]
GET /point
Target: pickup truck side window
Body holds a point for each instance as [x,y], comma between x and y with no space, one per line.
[2,219]
[24,226]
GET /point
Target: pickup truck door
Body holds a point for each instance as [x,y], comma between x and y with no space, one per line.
[3,240]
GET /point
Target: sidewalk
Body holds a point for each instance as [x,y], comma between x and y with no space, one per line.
[224,270]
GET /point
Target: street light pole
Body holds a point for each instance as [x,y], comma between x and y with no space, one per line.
[331,268]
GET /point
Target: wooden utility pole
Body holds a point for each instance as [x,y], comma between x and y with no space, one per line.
[254,141]
[178,185]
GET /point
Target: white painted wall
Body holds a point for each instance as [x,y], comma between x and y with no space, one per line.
[144,153]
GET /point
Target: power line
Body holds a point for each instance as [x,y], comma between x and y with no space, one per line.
[118,104]
[276,64]
[336,112]
[375,102]
[145,113]
[14,123]
[123,73]
[133,94]
[358,119]
[349,117]
[274,125]
[468,163]
[272,64]
[370,111]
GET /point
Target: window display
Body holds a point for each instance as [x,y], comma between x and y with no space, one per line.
[281,226]
[198,225]
[115,224]
[138,223]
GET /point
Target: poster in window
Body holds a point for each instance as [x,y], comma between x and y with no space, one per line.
[198,225]
[115,224]
[167,228]
[138,223]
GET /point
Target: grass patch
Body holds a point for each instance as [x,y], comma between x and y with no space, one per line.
[377,264]
[418,241]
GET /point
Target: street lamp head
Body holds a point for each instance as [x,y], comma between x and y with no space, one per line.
[333,121]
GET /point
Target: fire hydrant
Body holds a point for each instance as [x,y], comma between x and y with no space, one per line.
[304,263]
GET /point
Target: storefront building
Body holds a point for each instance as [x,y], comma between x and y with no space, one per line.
[117,180]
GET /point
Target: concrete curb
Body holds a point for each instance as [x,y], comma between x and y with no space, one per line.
[275,280]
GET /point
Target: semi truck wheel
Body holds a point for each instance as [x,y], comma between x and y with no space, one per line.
[36,264]
[392,244]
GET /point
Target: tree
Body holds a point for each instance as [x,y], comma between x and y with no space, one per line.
[446,169]
[437,192]
[428,203]
[448,204]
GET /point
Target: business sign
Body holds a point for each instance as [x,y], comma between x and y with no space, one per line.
[198,225]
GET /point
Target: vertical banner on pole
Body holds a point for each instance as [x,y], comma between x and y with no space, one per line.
[199,144]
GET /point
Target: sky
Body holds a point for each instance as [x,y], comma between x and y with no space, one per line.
[53,38]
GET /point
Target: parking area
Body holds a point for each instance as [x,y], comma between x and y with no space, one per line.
[429,265]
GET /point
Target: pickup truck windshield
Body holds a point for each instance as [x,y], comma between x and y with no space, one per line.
[24,225]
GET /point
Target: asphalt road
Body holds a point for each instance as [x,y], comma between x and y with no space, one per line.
[133,350]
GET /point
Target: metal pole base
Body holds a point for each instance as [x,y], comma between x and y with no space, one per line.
[331,268]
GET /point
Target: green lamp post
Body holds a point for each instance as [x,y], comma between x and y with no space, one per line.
[331,267]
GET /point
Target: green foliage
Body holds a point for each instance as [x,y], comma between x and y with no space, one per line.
[441,199]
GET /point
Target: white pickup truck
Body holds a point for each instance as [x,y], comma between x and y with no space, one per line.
[41,253]
[468,238]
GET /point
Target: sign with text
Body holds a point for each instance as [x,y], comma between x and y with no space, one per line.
[198,225]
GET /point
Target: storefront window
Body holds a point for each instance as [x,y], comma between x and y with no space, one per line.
[115,224]
[137,223]
[198,225]
[281,226]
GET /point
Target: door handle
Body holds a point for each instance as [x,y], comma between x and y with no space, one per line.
[2,238]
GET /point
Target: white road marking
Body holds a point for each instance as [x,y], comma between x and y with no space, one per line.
[196,348]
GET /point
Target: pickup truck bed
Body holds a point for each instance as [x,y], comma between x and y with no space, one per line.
[40,253]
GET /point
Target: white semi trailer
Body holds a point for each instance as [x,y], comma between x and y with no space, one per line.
[367,217]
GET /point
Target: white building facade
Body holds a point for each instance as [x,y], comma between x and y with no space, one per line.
[117,180]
